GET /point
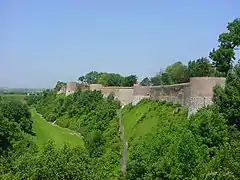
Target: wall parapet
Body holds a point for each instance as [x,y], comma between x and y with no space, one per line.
[195,94]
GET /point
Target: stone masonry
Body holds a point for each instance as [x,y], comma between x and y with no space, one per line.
[194,95]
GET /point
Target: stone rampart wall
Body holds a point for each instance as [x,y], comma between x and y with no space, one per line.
[201,92]
[125,96]
[71,87]
[194,95]
[178,93]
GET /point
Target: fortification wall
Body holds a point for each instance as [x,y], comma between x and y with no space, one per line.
[194,95]
[71,87]
[109,90]
[177,93]
[125,96]
[139,93]
[201,91]
[97,87]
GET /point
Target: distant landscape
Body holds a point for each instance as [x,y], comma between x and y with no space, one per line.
[85,135]
[5,90]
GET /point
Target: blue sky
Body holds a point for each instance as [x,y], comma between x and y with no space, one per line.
[45,41]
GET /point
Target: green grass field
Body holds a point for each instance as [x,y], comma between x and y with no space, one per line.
[47,131]
[14,97]
[146,116]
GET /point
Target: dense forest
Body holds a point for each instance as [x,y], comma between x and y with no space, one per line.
[163,143]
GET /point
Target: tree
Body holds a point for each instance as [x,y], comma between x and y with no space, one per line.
[228,97]
[92,77]
[115,79]
[59,85]
[177,73]
[145,82]
[9,131]
[156,80]
[199,68]
[81,79]
[224,56]
[16,111]
[104,79]
[92,115]
[222,59]
[129,80]
[15,121]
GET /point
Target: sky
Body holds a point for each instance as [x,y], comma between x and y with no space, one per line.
[44,41]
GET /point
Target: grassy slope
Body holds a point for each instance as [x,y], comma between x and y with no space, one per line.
[146,116]
[46,131]
[14,97]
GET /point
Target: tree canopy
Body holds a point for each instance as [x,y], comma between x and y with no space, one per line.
[180,73]
[108,79]
[223,57]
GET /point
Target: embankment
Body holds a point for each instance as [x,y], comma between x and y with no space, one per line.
[47,131]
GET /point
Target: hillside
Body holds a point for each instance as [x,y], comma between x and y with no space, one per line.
[148,115]
[46,131]
[14,97]
[164,144]
[89,114]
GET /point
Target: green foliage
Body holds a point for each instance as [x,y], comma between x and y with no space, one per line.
[129,80]
[157,80]
[179,73]
[14,122]
[59,85]
[90,78]
[167,145]
[95,143]
[108,79]
[200,68]
[14,97]
[210,127]
[19,113]
[21,158]
[9,131]
[49,163]
[176,73]
[143,118]
[163,143]
[228,98]
[145,82]
[94,117]
[224,56]
[47,131]
[222,59]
